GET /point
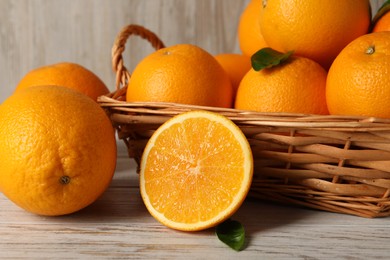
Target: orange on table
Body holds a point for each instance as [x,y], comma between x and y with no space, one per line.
[57,150]
[182,73]
[318,29]
[235,65]
[196,171]
[296,86]
[65,74]
[358,81]
[250,37]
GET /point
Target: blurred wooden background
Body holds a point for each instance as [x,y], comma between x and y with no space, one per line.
[34,33]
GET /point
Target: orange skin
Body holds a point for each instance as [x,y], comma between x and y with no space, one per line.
[65,74]
[383,24]
[249,34]
[182,73]
[318,29]
[296,86]
[358,82]
[236,66]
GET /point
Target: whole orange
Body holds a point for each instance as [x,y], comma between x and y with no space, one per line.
[296,86]
[358,81]
[250,37]
[65,74]
[316,29]
[383,24]
[57,150]
[235,65]
[182,73]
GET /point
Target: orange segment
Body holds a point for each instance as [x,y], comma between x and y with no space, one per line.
[196,171]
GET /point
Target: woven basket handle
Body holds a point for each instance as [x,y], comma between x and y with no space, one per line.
[122,74]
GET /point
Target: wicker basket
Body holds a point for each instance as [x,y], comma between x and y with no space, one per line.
[333,163]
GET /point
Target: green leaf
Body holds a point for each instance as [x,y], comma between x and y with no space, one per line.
[381,11]
[267,58]
[232,233]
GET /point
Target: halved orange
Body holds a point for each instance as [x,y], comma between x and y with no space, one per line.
[196,171]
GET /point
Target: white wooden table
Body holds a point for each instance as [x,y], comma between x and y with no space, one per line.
[119,226]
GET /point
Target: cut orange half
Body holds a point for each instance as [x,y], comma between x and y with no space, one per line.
[196,171]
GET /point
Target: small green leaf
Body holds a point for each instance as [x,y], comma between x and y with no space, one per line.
[267,58]
[232,233]
[381,11]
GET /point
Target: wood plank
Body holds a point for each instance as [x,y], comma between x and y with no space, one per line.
[118,226]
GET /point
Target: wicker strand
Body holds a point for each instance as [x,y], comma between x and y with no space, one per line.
[342,161]
[290,150]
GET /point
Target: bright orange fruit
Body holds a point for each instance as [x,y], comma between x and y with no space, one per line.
[316,29]
[381,20]
[182,73]
[250,37]
[383,24]
[196,171]
[57,150]
[358,82]
[296,86]
[65,74]
[235,65]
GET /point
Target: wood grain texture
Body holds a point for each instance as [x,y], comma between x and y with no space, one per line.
[118,226]
[40,32]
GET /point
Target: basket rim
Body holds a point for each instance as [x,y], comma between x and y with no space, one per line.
[167,109]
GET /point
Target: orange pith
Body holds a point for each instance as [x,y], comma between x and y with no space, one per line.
[196,171]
